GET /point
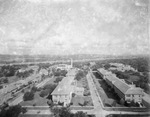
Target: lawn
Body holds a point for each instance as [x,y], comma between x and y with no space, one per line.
[37,101]
[12,79]
[81,99]
[108,98]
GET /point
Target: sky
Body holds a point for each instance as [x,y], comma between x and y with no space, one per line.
[111,27]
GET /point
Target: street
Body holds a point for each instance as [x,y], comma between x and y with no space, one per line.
[95,97]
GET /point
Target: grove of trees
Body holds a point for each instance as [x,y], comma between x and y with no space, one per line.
[48,89]
[11,111]
[65,112]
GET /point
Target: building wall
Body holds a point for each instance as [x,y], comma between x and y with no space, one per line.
[135,98]
[62,98]
[119,93]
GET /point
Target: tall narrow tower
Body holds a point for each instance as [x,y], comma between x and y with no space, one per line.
[71,63]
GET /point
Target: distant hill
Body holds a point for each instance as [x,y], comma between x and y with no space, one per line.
[34,58]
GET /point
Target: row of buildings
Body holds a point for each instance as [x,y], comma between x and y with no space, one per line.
[63,92]
[64,66]
[126,92]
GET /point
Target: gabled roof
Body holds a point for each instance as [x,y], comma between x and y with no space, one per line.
[135,90]
[121,85]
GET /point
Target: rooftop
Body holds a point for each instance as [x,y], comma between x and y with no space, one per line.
[120,84]
[65,87]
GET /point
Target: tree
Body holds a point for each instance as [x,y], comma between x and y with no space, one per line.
[73,94]
[24,110]
[11,111]
[80,114]
[5,80]
[34,89]
[28,96]
[44,93]
[62,112]
[58,79]
[50,87]
[50,103]
[79,75]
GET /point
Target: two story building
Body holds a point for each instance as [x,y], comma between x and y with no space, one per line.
[126,92]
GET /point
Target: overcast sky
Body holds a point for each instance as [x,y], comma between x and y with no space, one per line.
[74,27]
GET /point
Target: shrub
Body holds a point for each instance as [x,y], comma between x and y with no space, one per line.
[34,104]
[58,79]
[34,89]
[39,89]
[61,103]
[44,93]
[24,110]
[50,103]
[11,111]
[22,90]
[87,93]
[73,94]
[28,96]
[50,87]
[79,75]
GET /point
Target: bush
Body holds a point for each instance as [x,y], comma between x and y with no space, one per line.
[50,87]
[34,104]
[79,75]
[34,89]
[28,96]
[24,110]
[58,79]
[12,111]
[61,103]
[44,93]
[73,94]
[39,89]
[50,103]
[86,93]
[22,90]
